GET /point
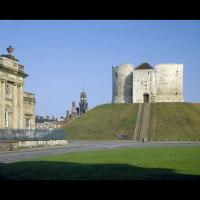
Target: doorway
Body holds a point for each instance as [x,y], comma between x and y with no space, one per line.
[146,98]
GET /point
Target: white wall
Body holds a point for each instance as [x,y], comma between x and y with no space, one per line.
[164,83]
[143,82]
[169,83]
[122,83]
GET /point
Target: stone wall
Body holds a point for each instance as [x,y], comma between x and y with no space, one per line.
[169,83]
[15,105]
[29,109]
[164,83]
[14,145]
[143,83]
[122,83]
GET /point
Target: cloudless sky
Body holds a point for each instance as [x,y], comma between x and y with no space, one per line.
[62,57]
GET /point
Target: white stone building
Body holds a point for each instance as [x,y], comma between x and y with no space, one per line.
[163,83]
[47,123]
[17,108]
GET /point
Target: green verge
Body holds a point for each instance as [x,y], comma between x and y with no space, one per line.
[178,121]
[104,122]
[150,163]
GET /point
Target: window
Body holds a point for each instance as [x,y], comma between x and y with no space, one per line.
[8,89]
[28,123]
[6,118]
[116,75]
[145,83]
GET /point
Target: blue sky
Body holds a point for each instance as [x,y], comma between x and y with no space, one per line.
[64,56]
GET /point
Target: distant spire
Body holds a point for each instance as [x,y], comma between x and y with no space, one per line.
[83,102]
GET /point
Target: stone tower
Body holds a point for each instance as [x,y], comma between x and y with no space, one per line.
[143,84]
[73,110]
[67,114]
[83,104]
[122,77]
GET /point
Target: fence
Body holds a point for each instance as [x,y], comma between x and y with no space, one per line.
[38,134]
[175,140]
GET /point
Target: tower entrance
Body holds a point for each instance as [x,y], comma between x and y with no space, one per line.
[146,98]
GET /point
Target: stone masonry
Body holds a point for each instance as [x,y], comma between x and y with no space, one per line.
[17,108]
[145,84]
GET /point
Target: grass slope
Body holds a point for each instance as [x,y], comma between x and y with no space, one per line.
[178,121]
[175,120]
[151,163]
[104,122]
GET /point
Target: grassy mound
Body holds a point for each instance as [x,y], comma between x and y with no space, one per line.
[104,122]
[175,120]
[178,121]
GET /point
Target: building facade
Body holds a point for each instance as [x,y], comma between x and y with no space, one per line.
[163,83]
[17,108]
[47,123]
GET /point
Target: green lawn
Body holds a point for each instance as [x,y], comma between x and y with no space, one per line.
[150,163]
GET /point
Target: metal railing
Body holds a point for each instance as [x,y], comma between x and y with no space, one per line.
[37,134]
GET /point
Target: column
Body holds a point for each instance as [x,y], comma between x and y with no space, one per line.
[21,105]
[18,108]
[14,107]
[2,97]
[0,106]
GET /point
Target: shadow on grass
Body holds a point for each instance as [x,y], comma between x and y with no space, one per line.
[51,170]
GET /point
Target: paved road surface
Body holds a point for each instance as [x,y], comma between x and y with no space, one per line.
[79,146]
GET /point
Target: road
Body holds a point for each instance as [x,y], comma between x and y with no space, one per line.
[79,146]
